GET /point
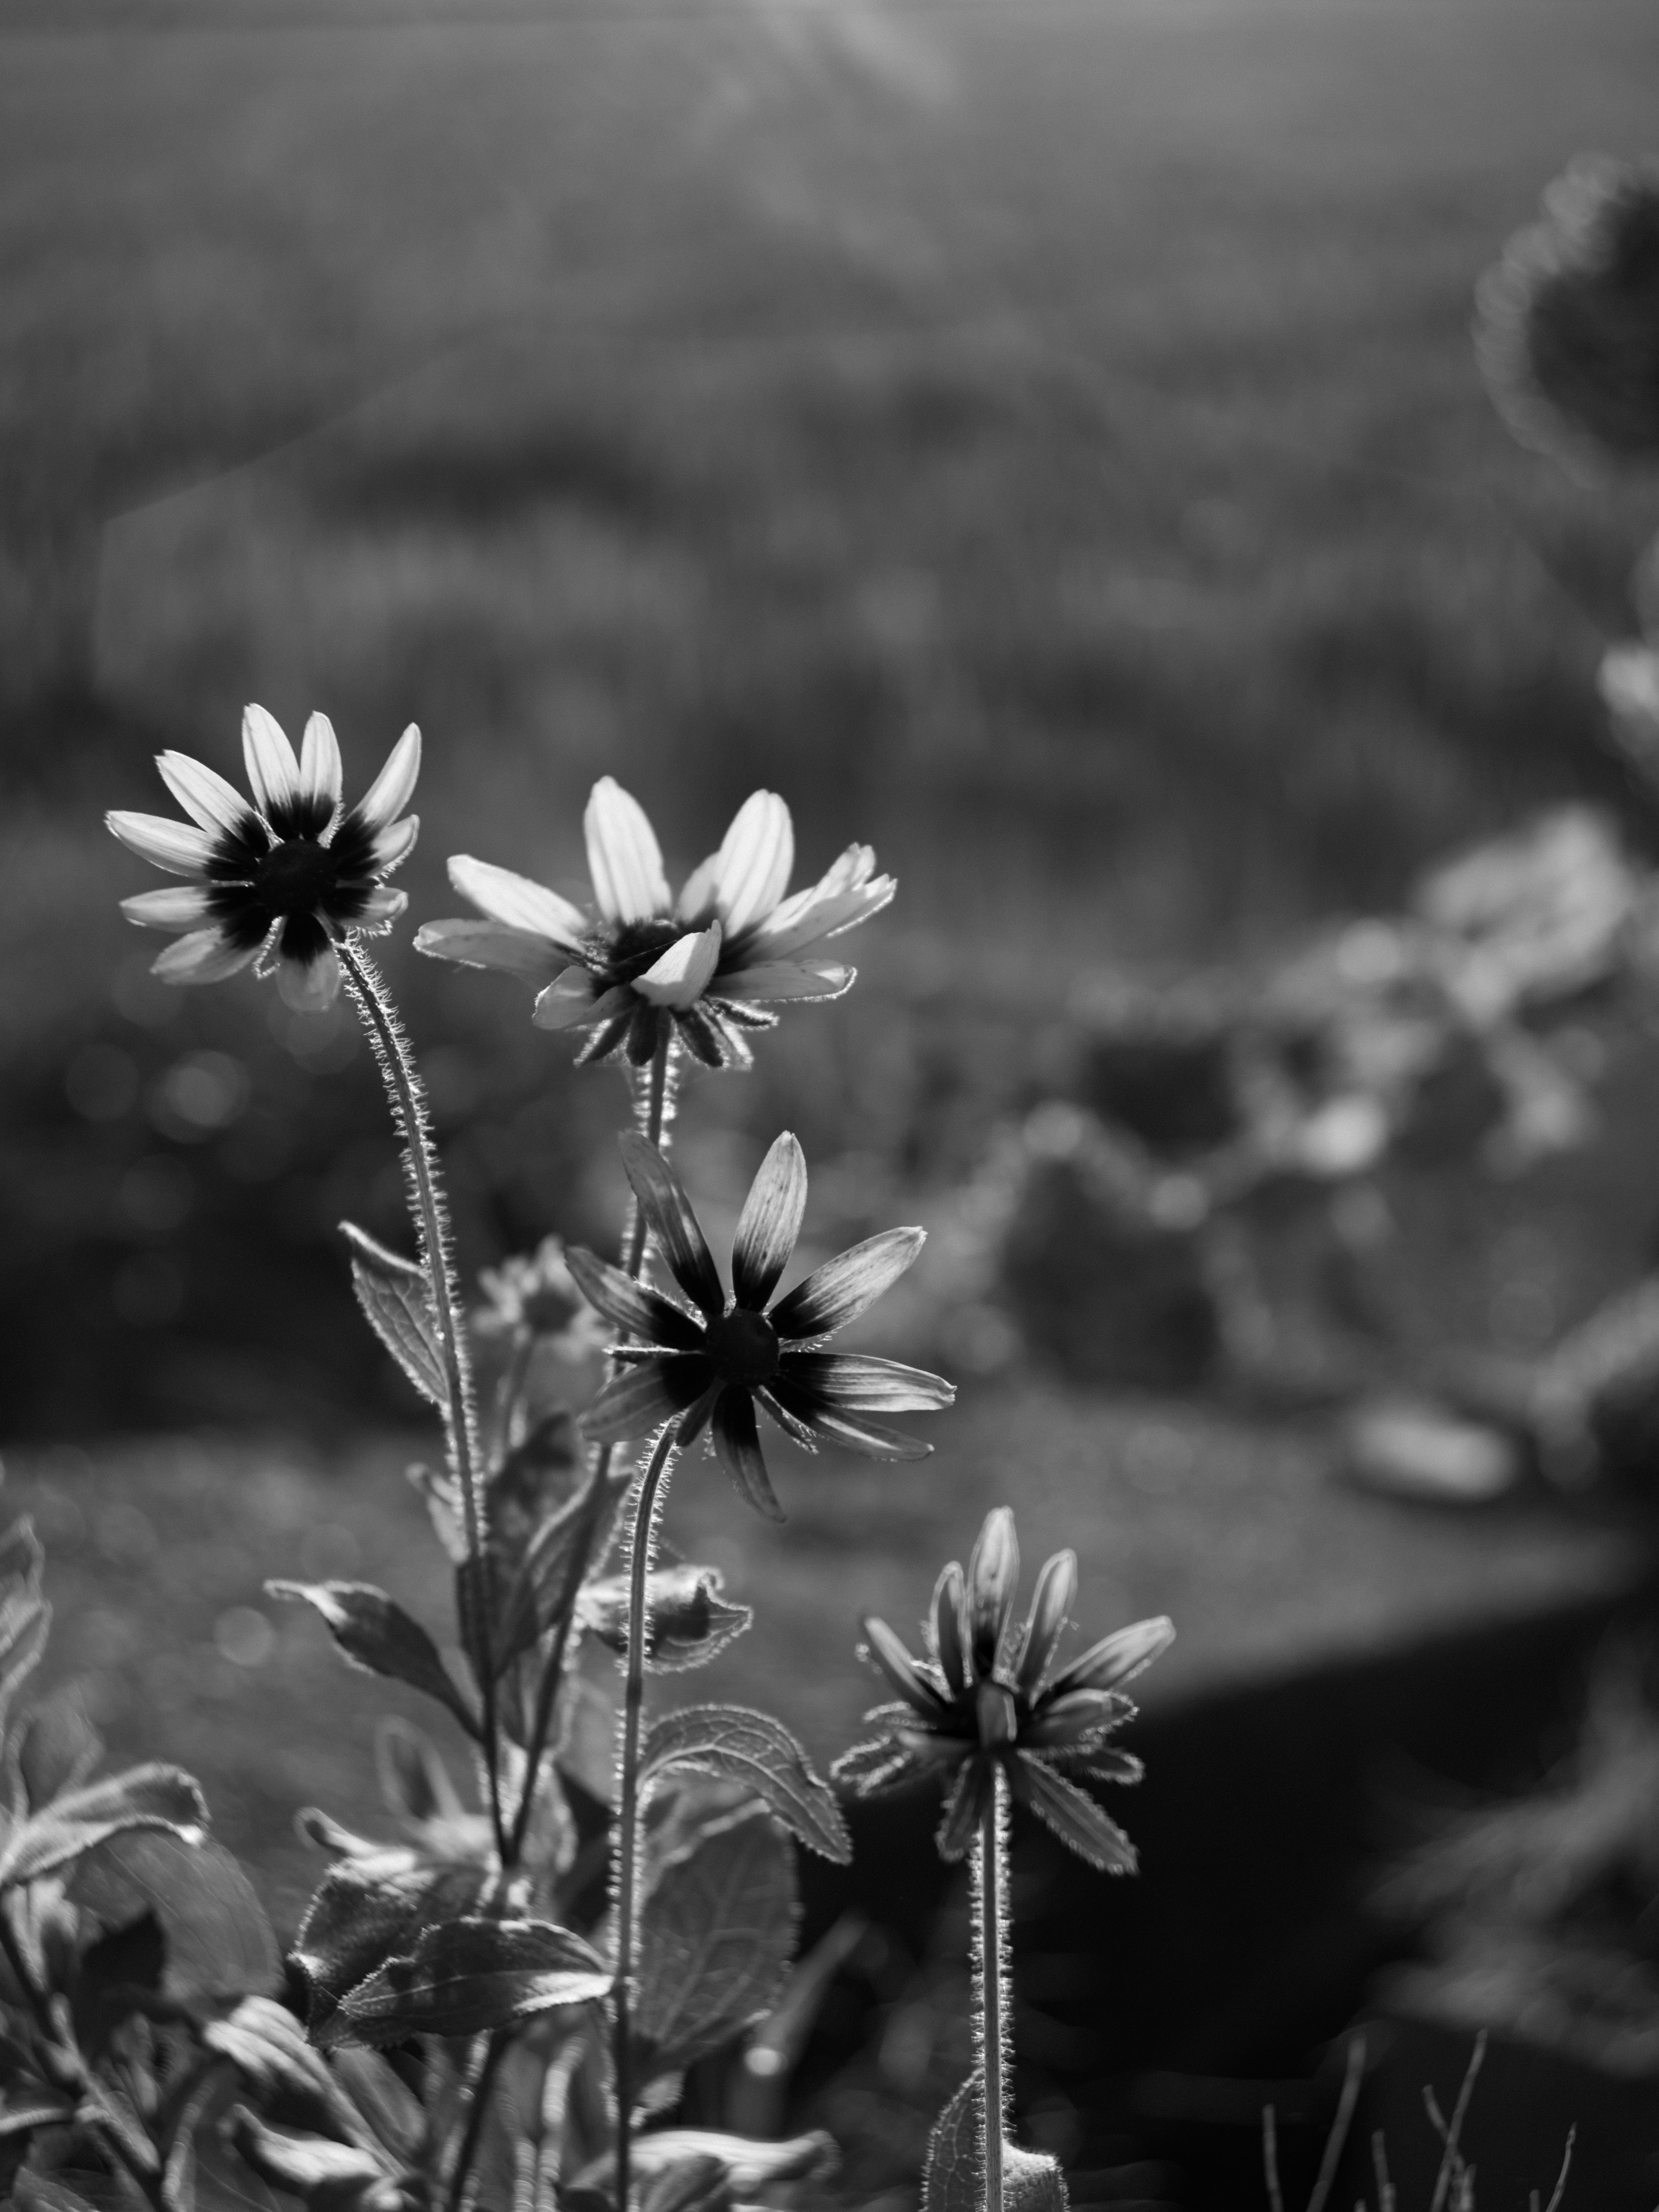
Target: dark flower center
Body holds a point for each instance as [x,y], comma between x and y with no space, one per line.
[624,950]
[255,880]
[742,1347]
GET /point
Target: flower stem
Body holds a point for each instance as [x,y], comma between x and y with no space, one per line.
[627,1809]
[990,1945]
[478,2107]
[407,1095]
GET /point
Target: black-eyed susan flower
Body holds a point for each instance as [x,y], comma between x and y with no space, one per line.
[276,882]
[989,1695]
[707,1367]
[644,964]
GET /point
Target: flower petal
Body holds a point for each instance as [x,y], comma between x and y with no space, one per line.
[965,1809]
[392,789]
[869,1770]
[859,1382]
[321,775]
[789,979]
[680,977]
[847,893]
[869,1438]
[646,1396]
[380,908]
[645,1313]
[487,944]
[948,1648]
[204,957]
[1061,1721]
[392,846]
[273,774]
[518,903]
[1099,1762]
[748,875]
[310,986]
[1116,1657]
[204,794]
[885,1652]
[1051,1602]
[993,1577]
[624,857]
[180,906]
[769,1223]
[178,847]
[675,1226]
[1074,1817]
[843,1287]
[737,1445]
[571,1000]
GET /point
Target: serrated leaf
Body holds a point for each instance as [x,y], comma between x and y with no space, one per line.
[219,1943]
[154,1796]
[953,2181]
[396,1298]
[467,1976]
[739,1745]
[364,1913]
[376,1633]
[716,1937]
[689,1620]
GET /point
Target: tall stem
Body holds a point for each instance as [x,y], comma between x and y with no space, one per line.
[990,1944]
[407,1095]
[627,1810]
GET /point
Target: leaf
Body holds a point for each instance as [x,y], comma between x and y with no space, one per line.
[219,1943]
[376,1634]
[397,1298]
[413,1781]
[689,1621]
[58,1747]
[538,1479]
[749,2165]
[439,1494]
[467,1976]
[954,2177]
[716,1937]
[328,2176]
[41,2192]
[739,1746]
[153,1796]
[40,2108]
[544,1577]
[364,1913]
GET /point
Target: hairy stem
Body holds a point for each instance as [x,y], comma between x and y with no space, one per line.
[991,1965]
[407,1095]
[628,1795]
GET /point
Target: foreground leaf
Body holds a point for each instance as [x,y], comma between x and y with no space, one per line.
[736,1745]
[954,2179]
[154,1796]
[327,2177]
[366,1911]
[716,1938]
[471,1975]
[218,1940]
[396,1298]
[376,1633]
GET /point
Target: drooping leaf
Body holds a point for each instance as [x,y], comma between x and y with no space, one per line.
[58,1747]
[153,1796]
[397,1298]
[373,1631]
[953,2181]
[739,1746]
[366,1911]
[219,1943]
[688,1619]
[464,1977]
[716,1937]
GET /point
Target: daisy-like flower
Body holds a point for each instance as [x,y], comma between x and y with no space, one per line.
[707,965]
[989,1695]
[278,882]
[708,1367]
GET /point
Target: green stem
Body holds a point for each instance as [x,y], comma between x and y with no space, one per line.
[627,1810]
[990,1941]
[409,1112]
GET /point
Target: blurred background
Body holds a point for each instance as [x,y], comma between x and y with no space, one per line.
[1044,441]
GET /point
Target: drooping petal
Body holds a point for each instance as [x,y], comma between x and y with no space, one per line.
[392,846]
[183,906]
[310,986]
[321,775]
[646,1315]
[858,1382]
[992,1578]
[971,1799]
[948,1647]
[748,875]
[644,1397]
[681,976]
[843,1287]
[793,1426]
[624,857]
[737,1445]
[1116,1658]
[487,944]
[204,794]
[1074,1816]
[381,908]
[178,847]
[203,956]
[1079,1714]
[852,1432]
[776,980]
[889,1654]
[846,894]
[675,1226]
[769,1223]
[392,789]
[1051,1602]
[273,774]
[518,903]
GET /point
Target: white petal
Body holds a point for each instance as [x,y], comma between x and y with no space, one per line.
[273,773]
[680,977]
[174,846]
[204,795]
[391,790]
[518,903]
[383,905]
[749,873]
[183,907]
[394,846]
[789,979]
[487,945]
[313,988]
[824,911]
[624,857]
[203,958]
[570,1001]
[320,772]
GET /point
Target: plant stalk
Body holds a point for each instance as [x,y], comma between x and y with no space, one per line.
[990,1945]
[494,2052]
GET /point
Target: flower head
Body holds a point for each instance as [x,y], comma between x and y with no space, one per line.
[644,964]
[533,1295]
[278,882]
[708,1367]
[988,1694]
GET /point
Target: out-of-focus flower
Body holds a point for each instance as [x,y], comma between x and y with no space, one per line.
[987,1695]
[277,882]
[535,1295]
[1567,323]
[644,964]
[709,1368]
